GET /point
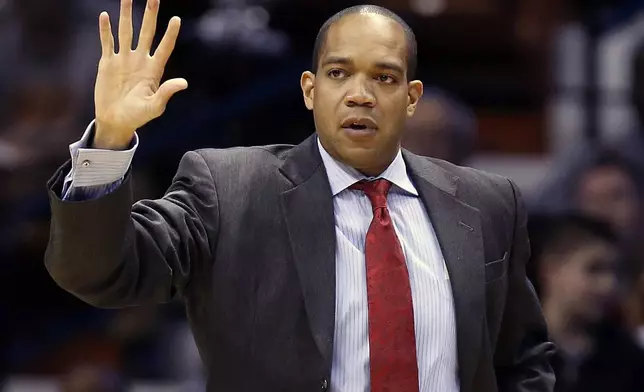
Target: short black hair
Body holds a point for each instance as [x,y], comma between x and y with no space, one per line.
[568,232]
[410,37]
[561,234]
[610,157]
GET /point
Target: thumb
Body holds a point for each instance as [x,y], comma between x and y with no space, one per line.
[168,89]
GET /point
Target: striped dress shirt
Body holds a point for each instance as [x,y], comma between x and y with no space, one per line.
[97,172]
[434,317]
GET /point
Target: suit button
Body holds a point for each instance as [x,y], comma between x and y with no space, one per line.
[324,384]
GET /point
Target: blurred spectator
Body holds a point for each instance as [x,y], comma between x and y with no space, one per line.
[601,183]
[442,127]
[577,272]
[42,83]
[50,51]
[608,189]
[92,379]
[49,54]
[48,44]
[577,275]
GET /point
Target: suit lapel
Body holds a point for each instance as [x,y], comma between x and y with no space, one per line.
[457,226]
[308,211]
[309,215]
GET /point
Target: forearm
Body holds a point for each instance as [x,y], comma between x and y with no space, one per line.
[87,253]
[111,253]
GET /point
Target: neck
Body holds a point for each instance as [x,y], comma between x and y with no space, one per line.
[372,168]
[376,167]
[374,172]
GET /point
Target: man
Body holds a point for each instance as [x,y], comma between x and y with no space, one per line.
[442,127]
[608,190]
[577,269]
[343,263]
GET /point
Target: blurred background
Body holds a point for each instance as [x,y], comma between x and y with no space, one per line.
[547,92]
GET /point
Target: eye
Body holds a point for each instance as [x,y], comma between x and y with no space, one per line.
[336,73]
[385,78]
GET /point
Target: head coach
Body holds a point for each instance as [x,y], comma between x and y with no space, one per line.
[344,263]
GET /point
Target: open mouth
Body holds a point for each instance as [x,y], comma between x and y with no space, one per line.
[359,124]
[357,127]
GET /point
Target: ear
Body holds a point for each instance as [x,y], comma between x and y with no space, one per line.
[307,83]
[415,92]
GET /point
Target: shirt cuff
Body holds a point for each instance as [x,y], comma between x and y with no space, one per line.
[92,166]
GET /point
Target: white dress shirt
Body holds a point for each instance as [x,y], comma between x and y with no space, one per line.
[434,317]
[97,172]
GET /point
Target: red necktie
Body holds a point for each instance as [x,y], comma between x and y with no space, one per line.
[392,342]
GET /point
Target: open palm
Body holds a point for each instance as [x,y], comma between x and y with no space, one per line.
[128,93]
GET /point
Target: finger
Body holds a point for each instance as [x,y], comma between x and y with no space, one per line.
[125,27]
[167,90]
[107,39]
[149,27]
[168,41]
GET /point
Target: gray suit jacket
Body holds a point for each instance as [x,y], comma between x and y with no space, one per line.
[246,237]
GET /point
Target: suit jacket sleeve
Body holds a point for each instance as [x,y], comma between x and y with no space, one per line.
[111,253]
[523,351]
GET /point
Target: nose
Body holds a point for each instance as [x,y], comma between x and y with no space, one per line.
[360,94]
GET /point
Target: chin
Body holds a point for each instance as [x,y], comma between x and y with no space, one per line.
[361,159]
[359,152]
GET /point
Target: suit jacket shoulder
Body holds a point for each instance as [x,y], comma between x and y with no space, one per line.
[497,197]
[248,159]
[238,170]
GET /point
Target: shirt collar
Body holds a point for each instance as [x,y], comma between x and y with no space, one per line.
[342,176]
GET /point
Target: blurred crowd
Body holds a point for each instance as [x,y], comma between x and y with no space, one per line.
[508,81]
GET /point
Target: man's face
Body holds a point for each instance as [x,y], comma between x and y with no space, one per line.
[360,96]
[609,194]
[585,281]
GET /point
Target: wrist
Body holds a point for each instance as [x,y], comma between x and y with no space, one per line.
[108,138]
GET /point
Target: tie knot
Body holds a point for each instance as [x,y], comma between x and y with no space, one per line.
[376,191]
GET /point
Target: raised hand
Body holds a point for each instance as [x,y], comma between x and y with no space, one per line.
[128,93]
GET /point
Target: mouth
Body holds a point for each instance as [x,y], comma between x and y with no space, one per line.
[359,125]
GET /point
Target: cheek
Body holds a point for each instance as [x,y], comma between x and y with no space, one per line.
[392,123]
[320,112]
[325,105]
[397,108]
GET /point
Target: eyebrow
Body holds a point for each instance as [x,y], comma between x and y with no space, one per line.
[336,60]
[380,64]
[391,66]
